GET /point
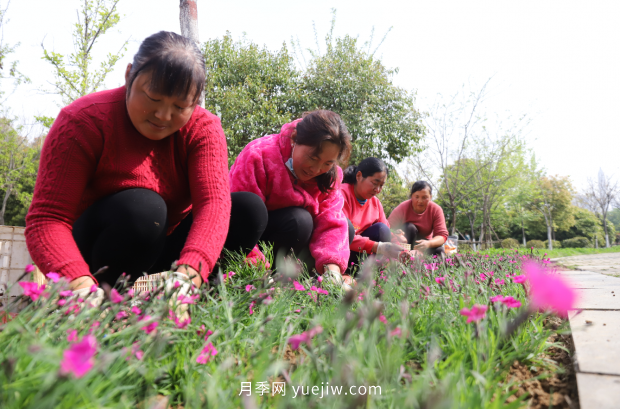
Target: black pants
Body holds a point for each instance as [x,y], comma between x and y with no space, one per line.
[377,232]
[126,232]
[411,234]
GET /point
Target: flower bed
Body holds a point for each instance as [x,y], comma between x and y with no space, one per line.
[434,334]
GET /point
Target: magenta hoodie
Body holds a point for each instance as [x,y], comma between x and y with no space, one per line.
[260,168]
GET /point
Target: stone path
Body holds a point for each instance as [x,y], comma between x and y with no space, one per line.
[595,327]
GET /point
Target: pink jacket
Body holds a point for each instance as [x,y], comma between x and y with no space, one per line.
[362,217]
[260,168]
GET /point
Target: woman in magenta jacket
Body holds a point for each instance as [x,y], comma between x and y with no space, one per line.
[293,179]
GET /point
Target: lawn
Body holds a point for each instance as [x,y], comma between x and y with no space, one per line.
[400,340]
[556,253]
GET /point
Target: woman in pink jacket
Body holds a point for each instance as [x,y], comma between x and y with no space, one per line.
[293,181]
[362,184]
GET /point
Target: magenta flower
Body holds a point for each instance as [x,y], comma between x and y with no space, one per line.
[207,352]
[190,299]
[499,281]
[32,289]
[249,288]
[440,280]
[177,284]
[497,298]
[396,332]
[115,297]
[511,302]
[121,315]
[482,276]
[209,333]
[320,279]
[475,314]
[305,337]
[79,358]
[229,275]
[71,335]
[135,349]
[66,293]
[383,319]
[519,279]
[549,292]
[53,276]
[322,291]
[252,304]
[136,310]
[298,286]
[29,268]
[150,327]
[61,302]
[297,310]
[93,288]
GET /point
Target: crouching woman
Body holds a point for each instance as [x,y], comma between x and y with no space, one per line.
[362,184]
[293,180]
[421,220]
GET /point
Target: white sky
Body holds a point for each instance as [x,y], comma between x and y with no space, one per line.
[556,61]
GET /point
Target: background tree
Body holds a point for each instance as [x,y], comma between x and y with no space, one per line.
[599,195]
[553,200]
[75,76]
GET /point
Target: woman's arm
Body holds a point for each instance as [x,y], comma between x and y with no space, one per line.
[210,190]
[68,161]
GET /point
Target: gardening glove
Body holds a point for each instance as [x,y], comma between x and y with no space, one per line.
[93,298]
[390,250]
[179,287]
[338,279]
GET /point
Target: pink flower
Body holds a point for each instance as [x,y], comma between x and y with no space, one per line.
[383,319]
[519,279]
[32,289]
[207,352]
[510,302]
[93,288]
[549,292]
[121,315]
[177,284]
[29,268]
[499,281]
[249,287]
[482,276]
[139,355]
[229,275]
[53,276]
[115,297]
[297,310]
[476,313]
[497,298]
[440,280]
[322,291]
[136,310]
[252,304]
[201,330]
[191,299]
[150,327]
[320,279]
[304,337]
[71,335]
[209,333]
[396,332]
[298,286]
[431,266]
[66,293]
[79,358]
[61,302]
[490,273]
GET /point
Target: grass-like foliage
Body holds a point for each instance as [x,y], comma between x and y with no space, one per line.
[402,336]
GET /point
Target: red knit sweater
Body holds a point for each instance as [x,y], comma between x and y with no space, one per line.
[362,217]
[431,223]
[93,150]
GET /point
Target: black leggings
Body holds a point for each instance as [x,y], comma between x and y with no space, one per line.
[411,234]
[379,232]
[126,232]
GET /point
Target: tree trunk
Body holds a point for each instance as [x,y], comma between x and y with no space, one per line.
[596,240]
[549,239]
[606,234]
[189,19]
[4,202]
[523,231]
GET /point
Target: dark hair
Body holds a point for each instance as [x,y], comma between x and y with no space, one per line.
[368,167]
[175,62]
[321,126]
[421,185]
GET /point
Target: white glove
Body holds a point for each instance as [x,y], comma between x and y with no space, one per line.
[388,249]
[336,278]
[95,299]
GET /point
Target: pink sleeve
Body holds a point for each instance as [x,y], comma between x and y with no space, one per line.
[397,217]
[68,161]
[329,243]
[248,174]
[209,187]
[439,223]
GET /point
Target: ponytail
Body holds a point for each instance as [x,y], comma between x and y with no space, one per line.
[349,175]
[368,167]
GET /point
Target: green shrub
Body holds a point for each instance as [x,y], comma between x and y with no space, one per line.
[556,244]
[576,242]
[510,243]
[537,244]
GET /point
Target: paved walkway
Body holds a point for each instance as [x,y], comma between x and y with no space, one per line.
[596,328]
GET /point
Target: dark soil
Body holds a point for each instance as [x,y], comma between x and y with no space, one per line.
[548,388]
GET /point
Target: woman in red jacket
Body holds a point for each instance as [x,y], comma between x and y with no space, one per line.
[134,178]
[421,220]
[362,183]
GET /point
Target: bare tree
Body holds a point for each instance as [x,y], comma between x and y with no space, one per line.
[189,19]
[599,196]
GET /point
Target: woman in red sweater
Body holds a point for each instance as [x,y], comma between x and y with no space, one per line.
[422,220]
[135,178]
[362,183]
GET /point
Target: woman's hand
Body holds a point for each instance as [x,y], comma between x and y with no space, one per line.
[81,282]
[191,273]
[399,236]
[333,267]
[422,245]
